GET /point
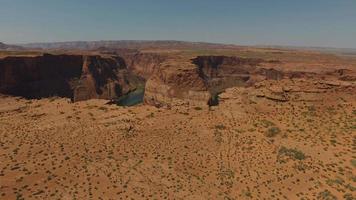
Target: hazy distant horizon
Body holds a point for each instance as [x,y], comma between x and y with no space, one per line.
[317,23]
[247,45]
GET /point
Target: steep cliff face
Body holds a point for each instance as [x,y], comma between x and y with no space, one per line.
[170,81]
[167,88]
[214,66]
[104,78]
[202,82]
[221,72]
[43,76]
[143,64]
[75,77]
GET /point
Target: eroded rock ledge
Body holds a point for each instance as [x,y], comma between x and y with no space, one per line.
[201,80]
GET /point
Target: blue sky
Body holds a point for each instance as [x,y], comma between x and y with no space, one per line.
[247,22]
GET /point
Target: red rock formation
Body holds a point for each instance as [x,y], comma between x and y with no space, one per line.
[346,74]
[104,78]
[222,66]
[210,76]
[143,64]
[76,77]
[41,76]
[169,81]
[270,74]
[166,88]
[221,72]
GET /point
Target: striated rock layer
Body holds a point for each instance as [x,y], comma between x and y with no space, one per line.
[200,82]
[168,88]
[72,76]
[104,78]
[168,80]
[143,64]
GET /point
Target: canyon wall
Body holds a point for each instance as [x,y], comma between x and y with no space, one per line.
[221,72]
[168,81]
[199,82]
[170,87]
[143,64]
[71,76]
[104,78]
[41,76]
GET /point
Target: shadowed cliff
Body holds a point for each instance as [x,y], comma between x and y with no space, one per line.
[71,76]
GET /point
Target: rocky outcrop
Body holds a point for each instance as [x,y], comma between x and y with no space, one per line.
[221,72]
[270,74]
[169,88]
[207,77]
[346,74]
[143,64]
[271,92]
[73,76]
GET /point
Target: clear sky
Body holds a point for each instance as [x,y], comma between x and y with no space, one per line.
[252,22]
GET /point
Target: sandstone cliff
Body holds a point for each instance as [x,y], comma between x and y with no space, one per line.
[104,78]
[42,76]
[72,76]
[167,88]
[143,64]
[199,82]
[170,80]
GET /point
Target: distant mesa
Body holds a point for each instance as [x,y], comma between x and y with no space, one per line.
[7,47]
[127,44]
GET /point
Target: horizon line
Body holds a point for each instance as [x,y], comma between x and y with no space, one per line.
[186,41]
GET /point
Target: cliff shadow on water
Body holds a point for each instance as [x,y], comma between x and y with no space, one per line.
[132,98]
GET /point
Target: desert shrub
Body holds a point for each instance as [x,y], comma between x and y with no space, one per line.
[337,181]
[273,131]
[226,177]
[198,108]
[218,136]
[349,196]
[353,162]
[220,127]
[293,153]
[103,108]
[326,195]
[151,115]
[311,108]
[266,123]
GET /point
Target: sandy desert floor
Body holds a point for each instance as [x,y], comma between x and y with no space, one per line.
[245,148]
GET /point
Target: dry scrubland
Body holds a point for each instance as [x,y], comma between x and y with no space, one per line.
[254,145]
